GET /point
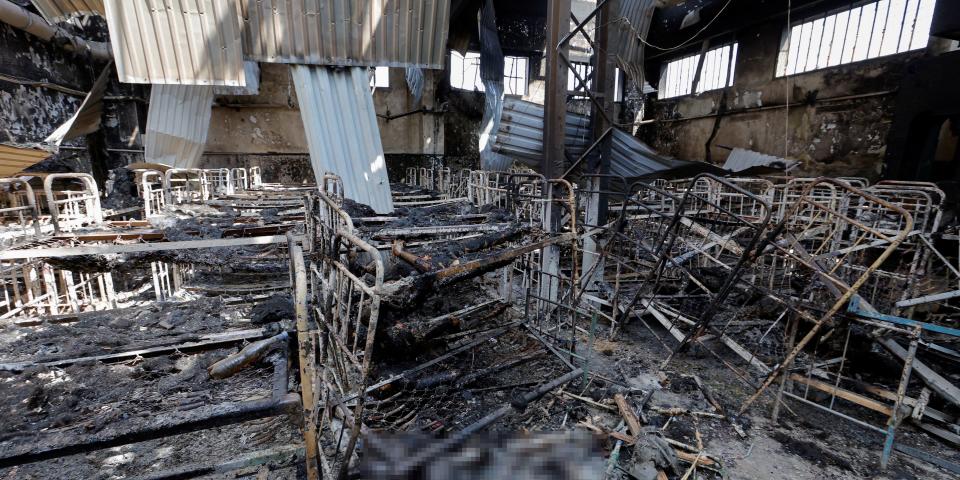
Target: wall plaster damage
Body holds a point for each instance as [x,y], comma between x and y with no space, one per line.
[579,239]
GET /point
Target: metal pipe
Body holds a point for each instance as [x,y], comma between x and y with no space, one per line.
[21,18]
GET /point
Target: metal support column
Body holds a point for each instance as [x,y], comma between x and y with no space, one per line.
[555,101]
[604,76]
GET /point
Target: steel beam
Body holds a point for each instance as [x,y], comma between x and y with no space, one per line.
[555,101]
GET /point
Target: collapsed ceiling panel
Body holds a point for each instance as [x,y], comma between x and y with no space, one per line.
[177,124]
[347,32]
[521,137]
[13,158]
[87,118]
[342,132]
[188,42]
[61,10]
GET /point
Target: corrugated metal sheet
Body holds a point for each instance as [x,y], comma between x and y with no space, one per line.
[341,125]
[633,158]
[489,127]
[521,137]
[396,33]
[251,74]
[631,25]
[187,42]
[14,159]
[178,120]
[61,10]
[521,132]
[741,159]
[87,118]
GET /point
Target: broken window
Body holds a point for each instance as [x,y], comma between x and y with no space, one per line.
[716,71]
[869,30]
[465,73]
[585,70]
[515,75]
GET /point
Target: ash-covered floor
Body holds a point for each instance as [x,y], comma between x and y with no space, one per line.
[446,340]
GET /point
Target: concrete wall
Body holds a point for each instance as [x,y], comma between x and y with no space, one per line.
[836,124]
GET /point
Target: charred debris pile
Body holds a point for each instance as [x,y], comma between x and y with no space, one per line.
[795,288]
[497,313]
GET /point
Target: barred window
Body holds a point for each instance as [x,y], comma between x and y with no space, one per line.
[465,73]
[862,31]
[676,78]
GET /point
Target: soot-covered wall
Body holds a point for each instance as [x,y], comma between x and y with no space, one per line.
[835,121]
[41,86]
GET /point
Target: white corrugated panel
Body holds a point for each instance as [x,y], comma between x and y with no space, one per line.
[60,10]
[396,33]
[14,158]
[178,120]
[87,118]
[341,126]
[251,72]
[187,42]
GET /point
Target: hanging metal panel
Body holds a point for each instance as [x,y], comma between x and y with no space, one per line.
[187,42]
[631,27]
[342,132]
[521,132]
[396,33]
[177,124]
[62,10]
[87,118]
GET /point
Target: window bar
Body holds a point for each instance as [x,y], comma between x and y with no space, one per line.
[676,78]
[913,29]
[682,75]
[730,60]
[913,25]
[886,24]
[717,64]
[819,38]
[873,28]
[700,63]
[718,67]
[832,40]
[803,50]
[856,35]
[823,36]
[793,51]
[903,23]
[806,57]
[846,31]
